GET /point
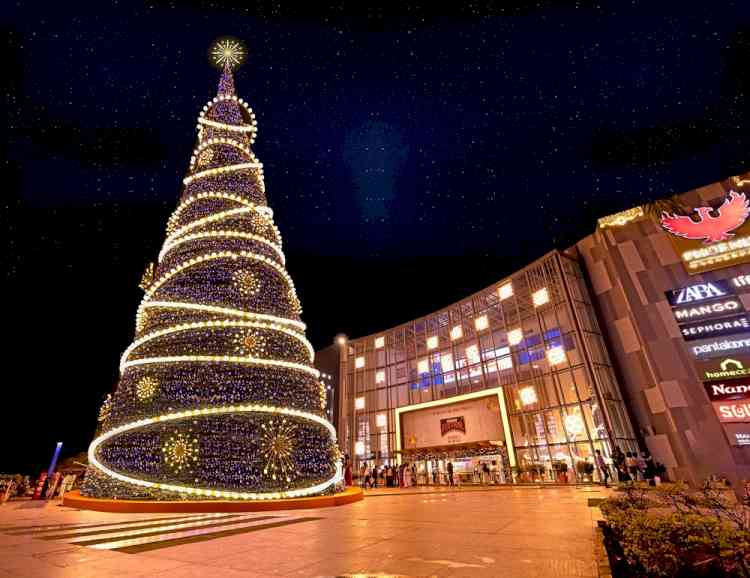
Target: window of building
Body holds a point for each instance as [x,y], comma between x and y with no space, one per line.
[505,291]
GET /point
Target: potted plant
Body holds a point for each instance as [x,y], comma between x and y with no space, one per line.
[561,470]
[584,469]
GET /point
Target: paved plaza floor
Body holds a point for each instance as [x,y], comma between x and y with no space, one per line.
[508,532]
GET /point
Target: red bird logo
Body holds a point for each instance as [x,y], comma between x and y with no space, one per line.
[731,215]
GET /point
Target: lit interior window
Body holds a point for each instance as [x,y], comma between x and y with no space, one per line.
[505,362]
[359,363]
[457,332]
[556,355]
[528,395]
[359,448]
[423,366]
[359,403]
[380,377]
[505,291]
[379,342]
[472,354]
[481,323]
[446,362]
[380,420]
[432,342]
[515,336]
[574,425]
[540,297]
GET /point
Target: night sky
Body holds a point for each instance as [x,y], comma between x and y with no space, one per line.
[410,160]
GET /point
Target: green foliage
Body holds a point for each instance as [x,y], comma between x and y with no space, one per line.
[670,531]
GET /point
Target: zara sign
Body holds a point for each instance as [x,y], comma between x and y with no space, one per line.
[698,292]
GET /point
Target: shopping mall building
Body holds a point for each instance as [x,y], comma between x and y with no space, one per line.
[637,336]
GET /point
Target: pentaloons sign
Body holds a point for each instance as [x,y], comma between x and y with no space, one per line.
[718,237]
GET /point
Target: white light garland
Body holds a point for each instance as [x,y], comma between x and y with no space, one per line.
[219,141]
[215,195]
[223,234]
[224,311]
[210,219]
[213,256]
[221,359]
[250,128]
[337,477]
[218,324]
[220,170]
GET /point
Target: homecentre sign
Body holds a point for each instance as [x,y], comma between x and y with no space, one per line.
[724,368]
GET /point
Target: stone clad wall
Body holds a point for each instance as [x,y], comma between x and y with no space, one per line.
[630,267]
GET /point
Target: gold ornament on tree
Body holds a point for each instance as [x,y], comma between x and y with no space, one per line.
[277,446]
[106,408]
[148,276]
[250,343]
[146,388]
[140,321]
[205,157]
[294,302]
[246,282]
[180,451]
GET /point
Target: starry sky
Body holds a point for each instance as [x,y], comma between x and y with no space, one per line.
[410,159]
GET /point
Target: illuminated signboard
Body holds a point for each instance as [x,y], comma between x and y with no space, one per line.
[724,368]
[720,347]
[709,310]
[738,434]
[718,236]
[698,293]
[730,390]
[715,327]
[732,411]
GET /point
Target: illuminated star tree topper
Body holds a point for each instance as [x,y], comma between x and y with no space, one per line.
[227,52]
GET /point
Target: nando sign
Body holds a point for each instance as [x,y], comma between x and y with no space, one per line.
[733,389]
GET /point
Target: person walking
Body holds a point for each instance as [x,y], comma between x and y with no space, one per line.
[618,459]
[603,468]
[631,465]
[640,464]
[650,470]
[348,472]
[449,467]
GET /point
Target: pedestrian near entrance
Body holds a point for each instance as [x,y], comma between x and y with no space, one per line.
[631,464]
[450,473]
[348,472]
[618,459]
[603,468]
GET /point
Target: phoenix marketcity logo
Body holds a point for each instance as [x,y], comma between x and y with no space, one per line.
[731,215]
[452,424]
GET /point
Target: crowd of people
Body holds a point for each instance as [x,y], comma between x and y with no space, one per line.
[388,476]
[628,466]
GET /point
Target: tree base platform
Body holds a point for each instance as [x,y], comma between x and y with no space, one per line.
[76,500]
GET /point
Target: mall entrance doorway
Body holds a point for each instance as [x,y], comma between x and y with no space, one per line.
[477,465]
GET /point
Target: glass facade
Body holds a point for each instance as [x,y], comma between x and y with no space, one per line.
[534,336]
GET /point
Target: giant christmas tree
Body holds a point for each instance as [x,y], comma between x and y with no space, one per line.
[217,398]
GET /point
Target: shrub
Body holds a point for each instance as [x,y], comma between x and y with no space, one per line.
[669,531]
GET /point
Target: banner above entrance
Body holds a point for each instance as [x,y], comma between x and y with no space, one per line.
[464,422]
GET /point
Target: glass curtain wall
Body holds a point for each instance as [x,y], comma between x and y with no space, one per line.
[534,334]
